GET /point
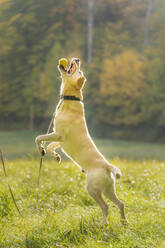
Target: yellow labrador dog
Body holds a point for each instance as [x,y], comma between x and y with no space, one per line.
[72,136]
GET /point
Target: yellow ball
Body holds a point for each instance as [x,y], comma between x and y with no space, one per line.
[63,62]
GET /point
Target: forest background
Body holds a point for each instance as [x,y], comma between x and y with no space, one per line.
[122,47]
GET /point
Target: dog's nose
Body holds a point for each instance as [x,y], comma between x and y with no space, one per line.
[77,60]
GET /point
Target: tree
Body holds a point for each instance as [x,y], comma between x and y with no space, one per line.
[90,30]
[123,87]
[147,21]
[125,79]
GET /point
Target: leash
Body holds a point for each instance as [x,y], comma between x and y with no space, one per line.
[41,158]
[6,176]
[40,166]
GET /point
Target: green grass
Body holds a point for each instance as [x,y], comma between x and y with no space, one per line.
[64,214]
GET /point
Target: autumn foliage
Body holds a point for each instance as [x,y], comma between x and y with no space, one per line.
[125,89]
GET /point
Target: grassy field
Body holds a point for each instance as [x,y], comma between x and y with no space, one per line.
[65,215]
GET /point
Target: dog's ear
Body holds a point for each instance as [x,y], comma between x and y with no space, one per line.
[80,82]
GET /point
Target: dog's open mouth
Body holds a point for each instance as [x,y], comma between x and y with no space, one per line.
[71,69]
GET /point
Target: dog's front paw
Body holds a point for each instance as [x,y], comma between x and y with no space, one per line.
[40,146]
[57,157]
[43,152]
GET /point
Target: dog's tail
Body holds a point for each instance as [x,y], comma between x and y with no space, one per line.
[116,171]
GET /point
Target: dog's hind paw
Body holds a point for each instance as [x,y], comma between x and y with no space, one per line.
[118,176]
[117,172]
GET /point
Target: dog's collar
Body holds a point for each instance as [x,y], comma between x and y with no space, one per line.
[73,98]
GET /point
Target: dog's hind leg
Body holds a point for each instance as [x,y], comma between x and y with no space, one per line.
[51,149]
[110,192]
[96,194]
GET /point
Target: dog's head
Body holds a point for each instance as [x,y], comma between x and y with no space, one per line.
[71,73]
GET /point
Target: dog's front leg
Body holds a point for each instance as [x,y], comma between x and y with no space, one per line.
[51,148]
[47,137]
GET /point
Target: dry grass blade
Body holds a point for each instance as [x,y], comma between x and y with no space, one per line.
[3,164]
[38,182]
[12,195]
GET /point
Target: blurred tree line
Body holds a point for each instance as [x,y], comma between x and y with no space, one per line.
[122,47]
